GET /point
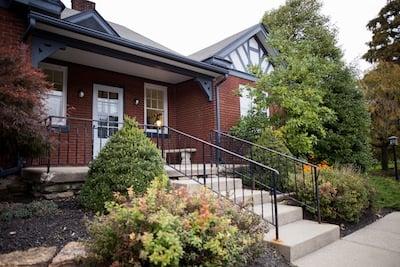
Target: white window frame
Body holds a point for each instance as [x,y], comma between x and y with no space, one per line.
[246,88]
[63,69]
[165,104]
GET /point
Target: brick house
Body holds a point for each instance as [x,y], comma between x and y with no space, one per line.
[102,70]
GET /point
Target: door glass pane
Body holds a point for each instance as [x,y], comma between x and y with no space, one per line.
[102,94]
[113,95]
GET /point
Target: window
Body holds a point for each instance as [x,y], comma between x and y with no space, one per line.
[55,102]
[247,102]
[156,105]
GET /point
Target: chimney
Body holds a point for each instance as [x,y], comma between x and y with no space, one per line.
[83,5]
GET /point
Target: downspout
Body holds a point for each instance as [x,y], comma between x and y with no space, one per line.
[217,106]
[29,29]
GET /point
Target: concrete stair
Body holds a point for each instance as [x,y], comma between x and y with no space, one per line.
[297,237]
[195,185]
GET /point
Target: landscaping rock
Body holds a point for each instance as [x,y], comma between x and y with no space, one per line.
[34,257]
[12,184]
[61,187]
[73,254]
[66,194]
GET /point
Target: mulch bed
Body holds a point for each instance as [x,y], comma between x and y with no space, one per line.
[270,258]
[55,230]
[68,224]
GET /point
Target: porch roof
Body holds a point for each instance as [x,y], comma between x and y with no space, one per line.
[73,38]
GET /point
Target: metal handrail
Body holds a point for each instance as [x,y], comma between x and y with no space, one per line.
[314,169]
[249,162]
[265,148]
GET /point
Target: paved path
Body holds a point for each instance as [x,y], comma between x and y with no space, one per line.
[376,245]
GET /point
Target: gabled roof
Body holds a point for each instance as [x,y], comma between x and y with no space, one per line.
[93,20]
[227,45]
[121,31]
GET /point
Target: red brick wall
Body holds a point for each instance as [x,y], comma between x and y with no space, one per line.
[12,28]
[230,101]
[82,78]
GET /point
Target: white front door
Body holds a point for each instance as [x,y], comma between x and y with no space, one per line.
[107,114]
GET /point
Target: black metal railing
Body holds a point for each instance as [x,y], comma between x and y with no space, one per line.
[194,158]
[296,176]
[76,141]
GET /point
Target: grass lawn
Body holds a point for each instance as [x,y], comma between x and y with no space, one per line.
[387,192]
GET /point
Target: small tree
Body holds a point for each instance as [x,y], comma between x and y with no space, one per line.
[129,159]
[381,86]
[385,44]
[22,91]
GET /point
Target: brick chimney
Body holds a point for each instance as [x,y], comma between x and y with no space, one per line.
[83,5]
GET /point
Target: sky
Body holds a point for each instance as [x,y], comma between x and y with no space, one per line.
[187,26]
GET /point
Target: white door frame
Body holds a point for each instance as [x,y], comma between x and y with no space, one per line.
[98,143]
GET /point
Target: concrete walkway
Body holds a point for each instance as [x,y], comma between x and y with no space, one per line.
[377,244]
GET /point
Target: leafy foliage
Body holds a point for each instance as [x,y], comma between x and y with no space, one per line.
[312,87]
[129,159]
[347,139]
[271,139]
[381,86]
[344,193]
[385,44]
[22,91]
[249,127]
[173,228]
[9,211]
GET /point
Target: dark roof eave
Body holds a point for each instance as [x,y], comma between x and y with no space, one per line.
[123,42]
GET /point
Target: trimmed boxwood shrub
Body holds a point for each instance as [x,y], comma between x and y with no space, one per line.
[129,159]
[173,228]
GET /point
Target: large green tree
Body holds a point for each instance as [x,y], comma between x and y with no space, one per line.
[322,112]
[381,86]
[385,43]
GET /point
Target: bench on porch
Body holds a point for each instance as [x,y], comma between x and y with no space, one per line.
[185,154]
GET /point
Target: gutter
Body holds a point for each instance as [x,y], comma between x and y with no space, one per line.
[122,42]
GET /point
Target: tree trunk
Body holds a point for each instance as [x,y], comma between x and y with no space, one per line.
[385,157]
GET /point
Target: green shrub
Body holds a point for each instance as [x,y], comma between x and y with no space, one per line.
[272,140]
[9,211]
[344,193]
[129,159]
[172,228]
[249,127]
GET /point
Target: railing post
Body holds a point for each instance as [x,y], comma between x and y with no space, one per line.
[204,165]
[162,142]
[275,207]
[158,137]
[317,194]
[48,146]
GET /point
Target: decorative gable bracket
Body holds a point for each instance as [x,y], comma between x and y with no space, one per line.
[206,85]
[43,48]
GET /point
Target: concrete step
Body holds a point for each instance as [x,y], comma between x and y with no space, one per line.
[247,196]
[196,185]
[286,214]
[302,237]
[177,171]
[68,174]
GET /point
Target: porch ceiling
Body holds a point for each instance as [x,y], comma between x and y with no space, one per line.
[91,59]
